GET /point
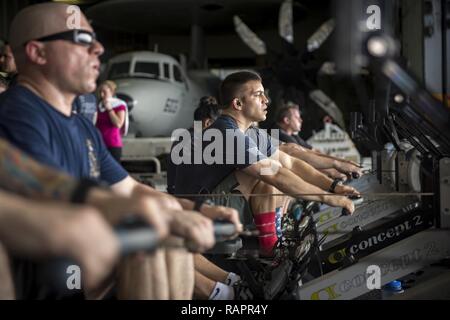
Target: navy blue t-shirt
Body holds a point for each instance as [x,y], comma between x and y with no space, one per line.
[71,144]
[219,151]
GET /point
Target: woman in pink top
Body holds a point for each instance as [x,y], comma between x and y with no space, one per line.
[110,118]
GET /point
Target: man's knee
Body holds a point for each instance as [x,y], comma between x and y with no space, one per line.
[267,203]
[180,270]
[143,276]
[265,188]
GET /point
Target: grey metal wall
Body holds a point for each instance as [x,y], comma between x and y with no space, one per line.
[433,62]
[412,36]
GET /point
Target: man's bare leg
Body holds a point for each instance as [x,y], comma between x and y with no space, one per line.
[206,288]
[263,208]
[249,185]
[209,269]
[263,204]
[180,271]
[284,202]
[203,286]
[143,276]
[265,218]
[7,291]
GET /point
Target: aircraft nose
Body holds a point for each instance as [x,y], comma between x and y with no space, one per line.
[156,106]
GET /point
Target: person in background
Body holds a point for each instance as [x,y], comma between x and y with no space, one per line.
[3,84]
[86,105]
[207,112]
[289,122]
[8,63]
[240,165]
[111,114]
[211,282]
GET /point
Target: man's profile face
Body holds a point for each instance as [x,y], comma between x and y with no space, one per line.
[295,120]
[254,101]
[75,67]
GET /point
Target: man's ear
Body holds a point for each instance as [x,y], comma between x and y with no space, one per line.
[286,120]
[207,122]
[237,104]
[35,52]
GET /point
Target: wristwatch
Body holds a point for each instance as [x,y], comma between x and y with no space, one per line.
[334,184]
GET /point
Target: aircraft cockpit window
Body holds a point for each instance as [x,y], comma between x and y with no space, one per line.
[166,71]
[119,70]
[147,69]
[177,74]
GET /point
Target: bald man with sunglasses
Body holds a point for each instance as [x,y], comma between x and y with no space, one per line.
[56,64]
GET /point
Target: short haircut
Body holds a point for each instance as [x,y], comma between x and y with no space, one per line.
[232,84]
[285,111]
[208,108]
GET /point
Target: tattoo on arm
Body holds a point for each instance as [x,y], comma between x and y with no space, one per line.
[22,175]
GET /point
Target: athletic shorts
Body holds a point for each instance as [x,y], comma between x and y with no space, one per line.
[233,198]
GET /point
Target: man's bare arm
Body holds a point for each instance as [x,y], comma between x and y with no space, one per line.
[312,158]
[291,184]
[212,212]
[20,174]
[304,170]
[334,174]
[184,223]
[310,174]
[319,161]
[36,229]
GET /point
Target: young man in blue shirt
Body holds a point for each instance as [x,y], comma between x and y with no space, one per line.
[232,156]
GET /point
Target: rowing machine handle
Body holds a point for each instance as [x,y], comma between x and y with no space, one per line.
[356,199]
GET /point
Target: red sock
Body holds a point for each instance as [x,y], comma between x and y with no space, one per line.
[265,223]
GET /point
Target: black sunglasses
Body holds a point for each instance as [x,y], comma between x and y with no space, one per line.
[82,37]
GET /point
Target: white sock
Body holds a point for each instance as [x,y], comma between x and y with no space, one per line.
[222,292]
[232,278]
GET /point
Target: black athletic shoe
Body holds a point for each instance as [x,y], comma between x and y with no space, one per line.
[242,291]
